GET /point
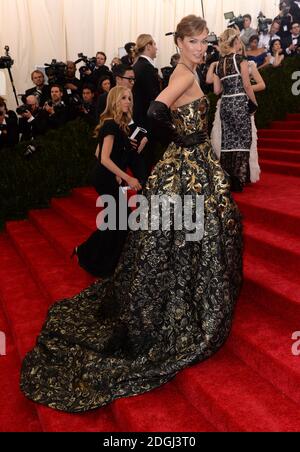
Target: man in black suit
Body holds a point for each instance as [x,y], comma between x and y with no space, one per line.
[295,10]
[58,112]
[41,90]
[292,43]
[34,121]
[9,132]
[147,84]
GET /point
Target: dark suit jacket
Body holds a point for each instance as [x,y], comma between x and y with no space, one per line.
[31,130]
[9,133]
[295,11]
[146,89]
[289,41]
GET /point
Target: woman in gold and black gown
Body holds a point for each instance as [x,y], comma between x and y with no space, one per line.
[171,301]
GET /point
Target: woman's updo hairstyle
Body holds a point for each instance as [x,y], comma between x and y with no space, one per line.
[227,40]
[190,26]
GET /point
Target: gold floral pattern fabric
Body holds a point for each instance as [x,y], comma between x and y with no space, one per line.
[169,305]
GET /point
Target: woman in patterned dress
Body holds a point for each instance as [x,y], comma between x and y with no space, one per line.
[233,81]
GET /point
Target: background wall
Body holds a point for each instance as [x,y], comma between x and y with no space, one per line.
[39,30]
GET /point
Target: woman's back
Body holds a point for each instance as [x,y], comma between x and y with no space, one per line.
[229,72]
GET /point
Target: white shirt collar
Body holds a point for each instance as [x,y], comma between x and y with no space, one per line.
[149,59]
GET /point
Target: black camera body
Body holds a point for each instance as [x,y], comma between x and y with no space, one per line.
[234,21]
[263,23]
[285,7]
[212,39]
[56,72]
[23,109]
[6,62]
[90,63]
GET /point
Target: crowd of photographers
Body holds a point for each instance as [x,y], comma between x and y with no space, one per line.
[66,97]
[267,45]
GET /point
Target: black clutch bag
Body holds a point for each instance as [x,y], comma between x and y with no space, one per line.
[252,107]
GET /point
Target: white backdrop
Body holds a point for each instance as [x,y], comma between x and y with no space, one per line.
[39,30]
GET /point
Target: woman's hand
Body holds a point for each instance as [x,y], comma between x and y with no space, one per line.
[119,180]
[134,144]
[134,183]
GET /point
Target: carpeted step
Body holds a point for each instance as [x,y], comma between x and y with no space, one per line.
[274,245]
[58,278]
[280,134]
[86,195]
[273,166]
[60,233]
[266,346]
[16,414]
[279,143]
[284,155]
[293,117]
[77,213]
[163,410]
[235,398]
[272,288]
[285,125]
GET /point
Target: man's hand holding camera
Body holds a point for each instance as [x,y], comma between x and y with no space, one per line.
[49,109]
[27,115]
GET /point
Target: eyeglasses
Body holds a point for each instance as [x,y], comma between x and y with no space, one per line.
[131,79]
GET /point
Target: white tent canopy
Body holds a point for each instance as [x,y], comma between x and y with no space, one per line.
[39,30]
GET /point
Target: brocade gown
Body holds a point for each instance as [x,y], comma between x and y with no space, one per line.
[169,305]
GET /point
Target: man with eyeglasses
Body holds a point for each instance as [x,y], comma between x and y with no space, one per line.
[292,43]
[124,76]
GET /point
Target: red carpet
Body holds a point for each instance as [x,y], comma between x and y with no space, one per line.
[252,384]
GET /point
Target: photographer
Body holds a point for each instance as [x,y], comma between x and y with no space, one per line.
[33,121]
[88,109]
[292,43]
[295,10]
[128,60]
[247,31]
[58,112]
[285,19]
[41,90]
[9,132]
[265,40]
[168,70]
[100,70]
[72,83]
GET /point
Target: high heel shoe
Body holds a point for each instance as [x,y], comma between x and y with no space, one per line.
[74,253]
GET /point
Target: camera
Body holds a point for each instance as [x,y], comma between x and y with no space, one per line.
[6,61]
[284,7]
[23,109]
[90,63]
[56,72]
[234,21]
[263,23]
[212,39]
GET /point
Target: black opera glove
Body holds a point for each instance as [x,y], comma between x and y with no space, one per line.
[160,113]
